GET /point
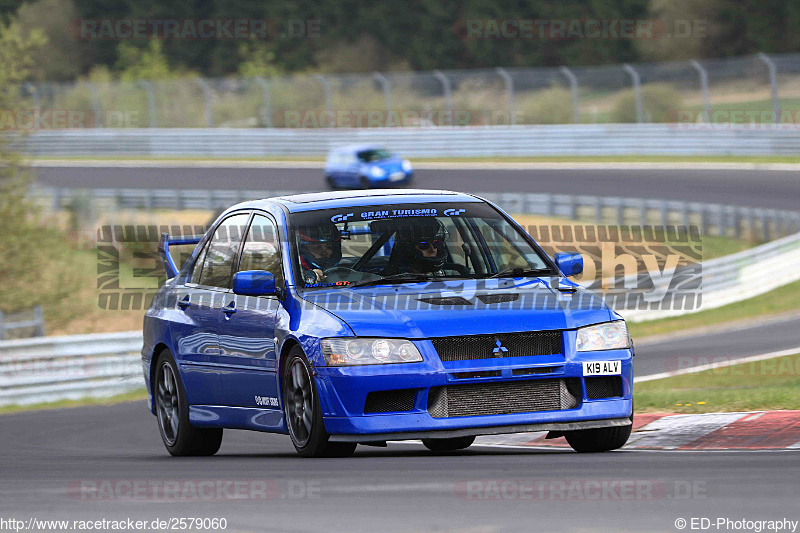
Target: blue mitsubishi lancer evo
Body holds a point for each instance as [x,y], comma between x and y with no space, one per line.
[361,317]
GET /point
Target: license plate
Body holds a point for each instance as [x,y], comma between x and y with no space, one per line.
[397,176]
[602,368]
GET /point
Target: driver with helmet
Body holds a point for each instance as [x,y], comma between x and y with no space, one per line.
[320,248]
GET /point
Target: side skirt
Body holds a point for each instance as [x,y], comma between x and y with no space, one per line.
[252,418]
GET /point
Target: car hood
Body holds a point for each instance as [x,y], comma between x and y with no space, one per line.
[416,310]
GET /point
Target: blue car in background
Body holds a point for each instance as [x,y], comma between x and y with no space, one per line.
[365,167]
[347,318]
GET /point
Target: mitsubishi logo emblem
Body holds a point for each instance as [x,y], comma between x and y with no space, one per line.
[501,350]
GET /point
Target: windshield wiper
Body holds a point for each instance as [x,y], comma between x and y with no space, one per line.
[402,276]
[519,272]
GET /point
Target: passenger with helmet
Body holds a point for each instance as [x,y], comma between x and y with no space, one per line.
[421,247]
[320,248]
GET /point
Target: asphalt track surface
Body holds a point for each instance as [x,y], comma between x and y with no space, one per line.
[404,487]
[751,188]
[399,488]
[680,352]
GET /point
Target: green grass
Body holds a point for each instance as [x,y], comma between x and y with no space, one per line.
[133,396]
[762,385]
[720,246]
[780,300]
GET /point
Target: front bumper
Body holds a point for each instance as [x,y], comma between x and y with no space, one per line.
[344,390]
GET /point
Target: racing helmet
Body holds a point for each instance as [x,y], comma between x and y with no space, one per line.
[310,237]
[425,241]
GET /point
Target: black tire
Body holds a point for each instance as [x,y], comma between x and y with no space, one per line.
[598,440]
[172,413]
[365,182]
[448,445]
[331,183]
[302,411]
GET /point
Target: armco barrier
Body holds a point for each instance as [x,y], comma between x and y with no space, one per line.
[72,367]
[713,219]
[466,141]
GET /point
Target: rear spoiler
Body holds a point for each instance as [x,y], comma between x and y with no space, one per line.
[163,251]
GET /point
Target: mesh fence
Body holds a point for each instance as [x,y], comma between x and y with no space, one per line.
[743,90]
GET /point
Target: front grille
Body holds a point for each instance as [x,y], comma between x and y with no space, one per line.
[603,387]
[503,398]
[533,370]
[479,374]
[390,401]
[498,345]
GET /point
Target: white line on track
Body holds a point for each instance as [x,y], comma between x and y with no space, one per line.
[720,364]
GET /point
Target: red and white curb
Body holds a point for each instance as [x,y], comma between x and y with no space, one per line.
[760,430]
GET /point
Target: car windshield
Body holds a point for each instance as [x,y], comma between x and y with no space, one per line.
[408,243]
[373,155]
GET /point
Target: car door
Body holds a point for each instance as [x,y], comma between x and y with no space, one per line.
[352,169]
[249,362]
[196,339]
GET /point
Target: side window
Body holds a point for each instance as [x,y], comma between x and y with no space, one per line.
[198,265]
[262,249]
[218,263]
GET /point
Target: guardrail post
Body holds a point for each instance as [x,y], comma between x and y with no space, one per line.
[705,223]
[512,120]
[704,87]
[598,210]
[38,317]
[643,214]
[326,88]
[265,100]
[773,81]
[2,326]
[573,208]
[573,88]
[386,86]
[446,92]
[151,103]
[209,112]
[737,222]
[664,215]
[637,90]
[96,107]
[764,225]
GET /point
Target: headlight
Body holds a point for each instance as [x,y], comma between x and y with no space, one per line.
[377,172]
[406,165]
[362,351]
[607,336]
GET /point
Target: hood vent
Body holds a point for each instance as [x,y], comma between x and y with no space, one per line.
[489,299]
[445,300]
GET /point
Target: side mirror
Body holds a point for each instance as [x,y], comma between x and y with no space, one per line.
[569,264]
[254,283]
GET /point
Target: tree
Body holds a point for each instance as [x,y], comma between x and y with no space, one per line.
[31,252]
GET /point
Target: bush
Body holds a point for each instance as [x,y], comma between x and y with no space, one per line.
[660,103]
[549,106]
